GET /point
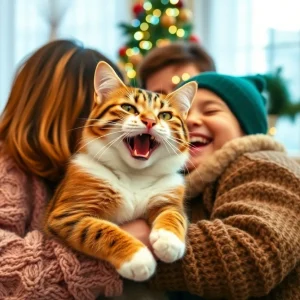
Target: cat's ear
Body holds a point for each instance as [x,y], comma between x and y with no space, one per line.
[105,81]
[182,98]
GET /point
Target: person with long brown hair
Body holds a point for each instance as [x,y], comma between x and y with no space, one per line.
[163,68]
[51,96]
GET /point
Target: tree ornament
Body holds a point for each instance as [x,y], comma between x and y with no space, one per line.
[179,4]
[194,38]
[122,51]
[167,21]
[155,23]
[185,15]
[137,9]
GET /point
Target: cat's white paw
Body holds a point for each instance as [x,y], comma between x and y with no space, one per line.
[141,266]
[166,245]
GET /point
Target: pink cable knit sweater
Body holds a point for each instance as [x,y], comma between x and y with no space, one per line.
[32,266]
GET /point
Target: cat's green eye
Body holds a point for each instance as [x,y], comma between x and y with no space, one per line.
[129,108]
[165,116]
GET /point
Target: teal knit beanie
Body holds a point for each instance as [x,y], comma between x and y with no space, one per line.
[242,95]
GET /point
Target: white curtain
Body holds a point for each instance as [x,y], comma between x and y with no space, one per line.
[255,36]
[24,26]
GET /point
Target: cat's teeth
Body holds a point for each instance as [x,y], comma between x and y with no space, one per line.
[136,154]
[152,138]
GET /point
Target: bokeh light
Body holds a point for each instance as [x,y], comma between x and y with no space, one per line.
[172,29]
[175,79]
[180,32]
[138,35]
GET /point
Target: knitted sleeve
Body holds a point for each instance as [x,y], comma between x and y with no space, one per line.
[252,240]
[34,267]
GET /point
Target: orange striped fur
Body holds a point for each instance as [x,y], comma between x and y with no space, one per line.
[133,145]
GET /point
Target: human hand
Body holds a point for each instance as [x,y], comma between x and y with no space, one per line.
[140,230]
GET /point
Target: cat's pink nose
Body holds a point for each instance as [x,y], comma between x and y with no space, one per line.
[149,122]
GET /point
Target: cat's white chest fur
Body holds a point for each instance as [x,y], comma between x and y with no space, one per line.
[136,190]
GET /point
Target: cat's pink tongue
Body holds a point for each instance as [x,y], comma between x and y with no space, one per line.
[141,145]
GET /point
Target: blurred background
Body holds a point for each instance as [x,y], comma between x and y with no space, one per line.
[243,36]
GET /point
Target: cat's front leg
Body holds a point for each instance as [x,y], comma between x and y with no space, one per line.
[131,258]
[104,240]
[78,214]
[166,245]
[140,267]
[169,225]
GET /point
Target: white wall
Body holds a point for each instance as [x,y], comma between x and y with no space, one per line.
[24,27]
[6,42]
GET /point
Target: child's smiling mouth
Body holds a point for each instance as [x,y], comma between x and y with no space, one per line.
[198,143]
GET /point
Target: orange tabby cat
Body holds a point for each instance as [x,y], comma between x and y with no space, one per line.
[133,145]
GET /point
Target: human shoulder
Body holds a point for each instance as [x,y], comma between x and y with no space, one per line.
[9,168]
[257,150]
[280,159]
[6,160]
[264,168]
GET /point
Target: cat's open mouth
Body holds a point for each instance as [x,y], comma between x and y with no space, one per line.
[141,146]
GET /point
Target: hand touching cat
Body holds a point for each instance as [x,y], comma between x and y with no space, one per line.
[161,244]
[140,230]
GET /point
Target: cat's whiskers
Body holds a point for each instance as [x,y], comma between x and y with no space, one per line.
[176,152]
[106,147]
[166,141]
[107,134]
[176,131]
[186,147]
[178,141]
[188,160]
[175,139]
[166,146]
[97,138]
[99,120]
[86,126]
[103,149]
[127,134]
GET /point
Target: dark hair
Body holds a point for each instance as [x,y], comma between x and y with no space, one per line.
[177,53]
[51,95]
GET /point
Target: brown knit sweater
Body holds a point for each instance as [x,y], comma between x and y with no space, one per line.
[244,237]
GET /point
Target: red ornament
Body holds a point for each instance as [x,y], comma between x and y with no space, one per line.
[179,4]
[137,8]
[194,38]
[122,51]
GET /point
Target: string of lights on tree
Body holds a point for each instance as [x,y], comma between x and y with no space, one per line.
[156,23]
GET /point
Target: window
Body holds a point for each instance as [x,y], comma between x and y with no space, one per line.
[24,26]
[255,36]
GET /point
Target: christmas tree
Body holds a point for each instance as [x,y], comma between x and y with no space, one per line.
[156,23]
